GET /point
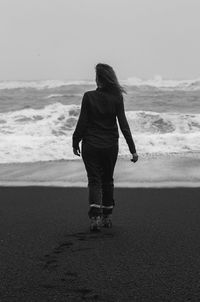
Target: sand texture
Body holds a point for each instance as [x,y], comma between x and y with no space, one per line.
[48,253]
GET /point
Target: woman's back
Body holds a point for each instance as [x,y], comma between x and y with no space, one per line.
[102,130]
[97,124]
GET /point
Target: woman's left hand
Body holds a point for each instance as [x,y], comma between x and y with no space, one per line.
[134,157]
[77,151]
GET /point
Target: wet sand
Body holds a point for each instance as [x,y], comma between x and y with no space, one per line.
[47,253]
[155,171]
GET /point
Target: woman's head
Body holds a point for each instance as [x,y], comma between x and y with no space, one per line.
[106,78]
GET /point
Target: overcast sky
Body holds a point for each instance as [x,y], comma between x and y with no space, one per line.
[64,39]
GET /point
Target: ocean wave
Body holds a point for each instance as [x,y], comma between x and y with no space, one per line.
[52,96]
[47,84]
[157,82]
[66,95]
[46,134]
[160,83]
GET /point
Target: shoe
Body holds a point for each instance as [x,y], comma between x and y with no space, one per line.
[95,224]
[107,221]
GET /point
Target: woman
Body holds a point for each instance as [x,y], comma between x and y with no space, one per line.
[98,130]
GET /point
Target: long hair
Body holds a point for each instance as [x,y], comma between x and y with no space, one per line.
[107,79]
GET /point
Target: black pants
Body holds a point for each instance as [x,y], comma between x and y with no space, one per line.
[100,164]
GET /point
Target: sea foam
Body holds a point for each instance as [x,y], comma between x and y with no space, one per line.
[31,135]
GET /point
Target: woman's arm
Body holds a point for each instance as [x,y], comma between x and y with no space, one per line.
[81,124]
[124,126]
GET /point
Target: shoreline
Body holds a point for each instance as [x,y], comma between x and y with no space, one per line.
[138,185]
[178,170]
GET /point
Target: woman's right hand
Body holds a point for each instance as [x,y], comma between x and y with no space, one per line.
[77,151]
[135,157]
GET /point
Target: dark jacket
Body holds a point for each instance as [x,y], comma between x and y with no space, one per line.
[97,124]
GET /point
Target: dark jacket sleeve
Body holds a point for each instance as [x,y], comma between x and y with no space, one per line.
[124,126]
[81,124]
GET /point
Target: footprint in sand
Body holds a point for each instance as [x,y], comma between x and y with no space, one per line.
[50,264]
[71,274]
[86,294]
[59,249]
[85,236]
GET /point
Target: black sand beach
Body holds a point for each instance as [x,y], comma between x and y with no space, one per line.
[152,253]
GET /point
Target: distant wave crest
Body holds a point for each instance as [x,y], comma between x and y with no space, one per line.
[66,95]
[157,82]
[47,84]
[160,83]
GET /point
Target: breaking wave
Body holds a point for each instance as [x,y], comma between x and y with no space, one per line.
[47,84]
[67,95]
[160,83]
[157,82]
[31,135]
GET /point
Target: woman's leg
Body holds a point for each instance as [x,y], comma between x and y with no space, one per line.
[108,161]
[90,157]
